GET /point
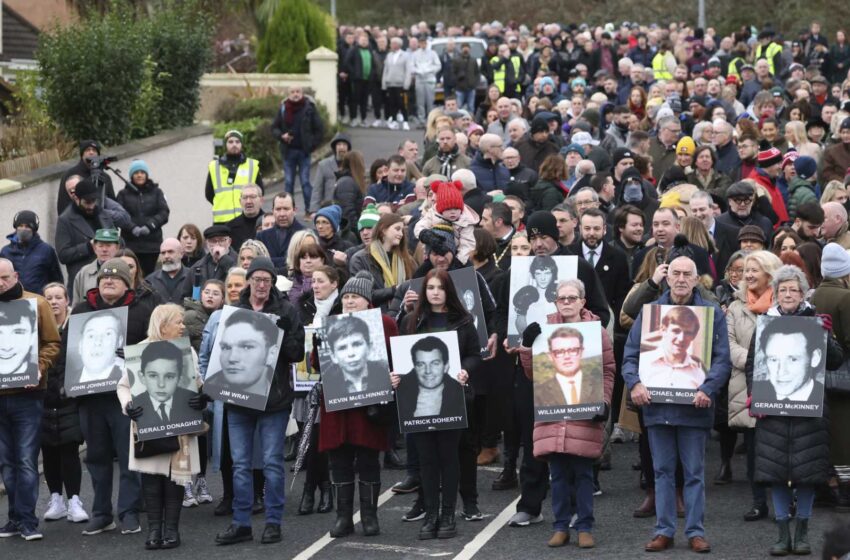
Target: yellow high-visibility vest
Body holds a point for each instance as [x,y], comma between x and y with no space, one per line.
[516,60]
[659,67]
[733,67]
[769,54]
[498,75]
[228,190]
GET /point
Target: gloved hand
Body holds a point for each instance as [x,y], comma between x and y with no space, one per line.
[602,416]
[530,333]
[284,323]
[137,231]
[143,230]
[825,321]
[120,352]
[134,412]
[199,401]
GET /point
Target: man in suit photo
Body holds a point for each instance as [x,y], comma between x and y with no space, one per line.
[571,384]
[671,364]
[164,401]
[351,371]
[792,357]
[429,390]
[101,335]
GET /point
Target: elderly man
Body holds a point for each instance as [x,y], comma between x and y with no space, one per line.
[499,127]
[104,425]
[834,228]
[725,237]
[728,160]
[261,295]
[662,148]
[89,149]
[537,146]
[522,178]
[169,279]
[490,172]
[219,259]
[678,432]
[244,226]
[21,410]
[106,244]
[517,129]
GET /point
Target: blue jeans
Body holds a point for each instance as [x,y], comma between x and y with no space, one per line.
[783,495]
[669,445]
[571,473]
[297,163]
[466,100]
[272,431]
[107,433]
[20,441]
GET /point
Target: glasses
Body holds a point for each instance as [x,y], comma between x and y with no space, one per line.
[741,200]
[572,352]
[789,291]
[568,299]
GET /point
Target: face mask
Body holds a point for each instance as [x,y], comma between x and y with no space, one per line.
[24,235]
[633,192]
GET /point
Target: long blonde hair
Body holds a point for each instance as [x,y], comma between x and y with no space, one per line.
[798,132]
[161,315]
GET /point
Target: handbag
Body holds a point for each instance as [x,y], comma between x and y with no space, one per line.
[154,447]
[838,380]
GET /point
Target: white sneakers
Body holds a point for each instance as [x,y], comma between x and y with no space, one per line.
[73,511]
[202,493]
[76,513]
[189,499]
[56,508]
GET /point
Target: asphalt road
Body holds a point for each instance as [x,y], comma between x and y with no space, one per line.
[617,533]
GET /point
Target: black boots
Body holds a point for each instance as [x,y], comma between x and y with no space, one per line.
[344,524]
[326,497]
[429,527]
[308,499]
[447,528]
[507,479]
[801,538]
[725,474]
[369,492]
[782,546]
[152,491]
[842,504]
[173,506]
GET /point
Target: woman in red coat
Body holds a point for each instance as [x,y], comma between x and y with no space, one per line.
[350,437]
[571,447]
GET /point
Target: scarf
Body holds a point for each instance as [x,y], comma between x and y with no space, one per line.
[323,307]
[290,109]
[447,161]
[759,304]
[393,269]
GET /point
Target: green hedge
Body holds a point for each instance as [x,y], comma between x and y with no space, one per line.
[295,28]
[125,74]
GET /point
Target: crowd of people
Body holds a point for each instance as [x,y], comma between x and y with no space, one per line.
[680,166]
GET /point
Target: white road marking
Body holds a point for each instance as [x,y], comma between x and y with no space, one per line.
[314,548]
[396,549]
[473,546]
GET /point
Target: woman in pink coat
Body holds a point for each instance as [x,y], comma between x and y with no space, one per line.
[571,447]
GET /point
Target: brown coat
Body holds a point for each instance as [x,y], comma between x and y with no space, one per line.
[836,161]
[582,438]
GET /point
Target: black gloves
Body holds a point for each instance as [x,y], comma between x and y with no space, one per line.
[284,323]
[530,333]
[603,416]
[199,401]
[134,412]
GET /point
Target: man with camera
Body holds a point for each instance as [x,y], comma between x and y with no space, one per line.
[88,166]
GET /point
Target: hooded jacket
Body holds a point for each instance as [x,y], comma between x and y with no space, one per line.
[36,262]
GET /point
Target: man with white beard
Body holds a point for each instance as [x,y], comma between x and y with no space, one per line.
[168,280]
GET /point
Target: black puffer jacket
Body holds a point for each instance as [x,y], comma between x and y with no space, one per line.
[60,422]
[793,450]
[147,207]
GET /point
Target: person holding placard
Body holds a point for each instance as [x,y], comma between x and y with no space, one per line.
[105,427]
[21,408]
[679,432]
[351,437]
[792,451]
[438,309]
[571,447]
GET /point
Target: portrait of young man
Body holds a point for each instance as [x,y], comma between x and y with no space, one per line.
[98,339]
[18,342]
[673,364]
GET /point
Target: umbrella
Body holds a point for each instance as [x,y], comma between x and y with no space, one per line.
[314,399]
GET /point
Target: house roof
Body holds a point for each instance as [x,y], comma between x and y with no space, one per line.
[20,37]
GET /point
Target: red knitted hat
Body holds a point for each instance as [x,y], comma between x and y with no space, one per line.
[448,196]
[768,155]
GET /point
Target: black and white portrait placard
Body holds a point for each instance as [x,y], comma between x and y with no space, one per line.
[303,376]
[534,289]
[466,285]
[789,366]
[429,397]
[243,358]
[353,358]
[567,364]
[92,364]
[18,343]
[163,378]
[675,351]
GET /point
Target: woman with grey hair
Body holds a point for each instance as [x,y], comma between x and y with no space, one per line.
[792,453]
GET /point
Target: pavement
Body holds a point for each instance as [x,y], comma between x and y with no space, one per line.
[618,535]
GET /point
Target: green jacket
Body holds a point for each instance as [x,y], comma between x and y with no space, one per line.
[800,191]
[545,195]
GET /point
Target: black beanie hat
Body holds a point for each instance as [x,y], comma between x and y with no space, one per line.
[26,218]
[84,144]
[542,223]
